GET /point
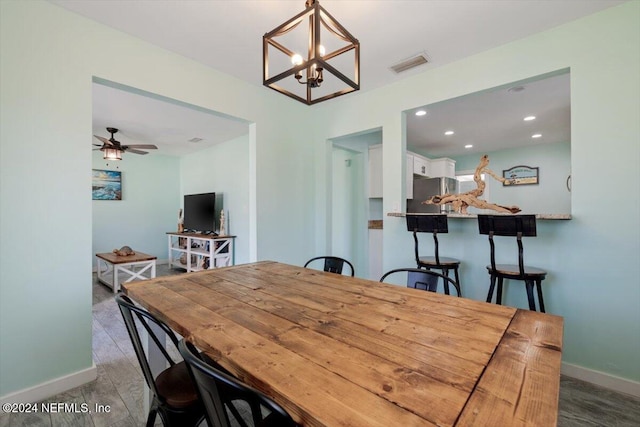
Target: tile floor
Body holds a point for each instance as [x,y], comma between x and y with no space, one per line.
[119,385]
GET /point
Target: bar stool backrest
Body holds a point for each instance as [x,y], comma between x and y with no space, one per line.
[427,224]
[507,225]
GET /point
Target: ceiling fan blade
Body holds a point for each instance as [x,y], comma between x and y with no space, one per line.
[104,140]
[145,146]
[129,150]
[97,145]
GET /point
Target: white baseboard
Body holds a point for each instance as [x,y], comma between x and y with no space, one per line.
[52,387]
[602,379]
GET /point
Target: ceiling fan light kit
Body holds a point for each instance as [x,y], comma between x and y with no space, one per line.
[113,149]
[311,71]
[111,154]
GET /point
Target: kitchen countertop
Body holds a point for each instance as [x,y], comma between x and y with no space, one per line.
[375,224]
[473,216]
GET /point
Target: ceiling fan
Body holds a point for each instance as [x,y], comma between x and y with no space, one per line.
[113,149]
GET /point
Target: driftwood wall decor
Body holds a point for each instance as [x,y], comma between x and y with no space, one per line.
[462,201]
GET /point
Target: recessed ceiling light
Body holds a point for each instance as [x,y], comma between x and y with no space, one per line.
[449,132]
[515,89]
[468,146]
[536,135]
[529,118]
[196,139]
[421,113]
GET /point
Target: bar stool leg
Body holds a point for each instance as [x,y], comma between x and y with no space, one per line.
[532,303]
[540,299]
[445,272]
[499,293]
[492,285]
[455,274]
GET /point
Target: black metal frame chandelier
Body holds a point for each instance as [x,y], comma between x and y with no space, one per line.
[310,71]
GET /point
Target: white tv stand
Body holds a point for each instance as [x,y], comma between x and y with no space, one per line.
[195,252]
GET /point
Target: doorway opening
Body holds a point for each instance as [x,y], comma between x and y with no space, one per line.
[353,210]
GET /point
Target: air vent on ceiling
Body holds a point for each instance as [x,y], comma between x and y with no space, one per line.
[516,89]
[412,62]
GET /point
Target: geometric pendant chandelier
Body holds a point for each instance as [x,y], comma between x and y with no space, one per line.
[311,63]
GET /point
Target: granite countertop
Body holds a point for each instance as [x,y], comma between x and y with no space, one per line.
[375,224]
[473,216]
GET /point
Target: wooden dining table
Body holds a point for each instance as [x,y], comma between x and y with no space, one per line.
[342,351]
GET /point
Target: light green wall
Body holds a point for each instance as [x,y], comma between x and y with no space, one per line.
[349,209]
[148,209]
[49,57]
[549,196]
[223,169]
[593,259]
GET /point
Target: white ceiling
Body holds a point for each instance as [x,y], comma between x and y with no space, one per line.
[146,119]
[494,120]
[227,35]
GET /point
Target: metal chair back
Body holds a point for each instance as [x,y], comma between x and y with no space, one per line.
[425,280]
[212,383]
[332,264]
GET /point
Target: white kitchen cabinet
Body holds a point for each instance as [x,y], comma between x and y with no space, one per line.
[442,167]
[421,166]
[375,171]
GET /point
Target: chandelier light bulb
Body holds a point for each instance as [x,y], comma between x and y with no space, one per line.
[296,59]
[322,50]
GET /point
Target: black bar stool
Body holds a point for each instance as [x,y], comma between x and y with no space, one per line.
[433,224]
[514,226]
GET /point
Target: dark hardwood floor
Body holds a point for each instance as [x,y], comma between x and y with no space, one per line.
[119,385]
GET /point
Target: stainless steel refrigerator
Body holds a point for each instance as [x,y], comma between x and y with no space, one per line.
[424,188]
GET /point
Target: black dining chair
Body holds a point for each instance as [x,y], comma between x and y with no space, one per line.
[433,224]
[425,280]
[518,226]
[213,386]
[332,264]
[174,393]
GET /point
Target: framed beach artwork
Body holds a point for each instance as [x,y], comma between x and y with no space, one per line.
[520,175]
[106,185]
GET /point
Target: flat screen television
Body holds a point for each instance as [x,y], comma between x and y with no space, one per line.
[200,213]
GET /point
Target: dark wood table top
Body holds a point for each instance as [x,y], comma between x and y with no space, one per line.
[117,259]
[341,351]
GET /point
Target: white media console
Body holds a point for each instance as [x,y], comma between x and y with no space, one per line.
[195,252]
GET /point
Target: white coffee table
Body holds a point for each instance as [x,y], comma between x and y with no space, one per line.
[134,267]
